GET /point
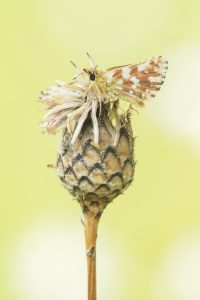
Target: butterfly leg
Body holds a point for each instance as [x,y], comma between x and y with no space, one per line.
[117,120]
[95,123]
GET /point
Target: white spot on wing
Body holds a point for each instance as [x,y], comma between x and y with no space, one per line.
[109,75]
[155,79]
[120,82]
[156,59]
[126,72]
[134,80]
[142,67]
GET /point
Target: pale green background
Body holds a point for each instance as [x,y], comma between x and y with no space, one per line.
[149,238]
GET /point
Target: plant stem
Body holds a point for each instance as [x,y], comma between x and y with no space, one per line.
[91,226]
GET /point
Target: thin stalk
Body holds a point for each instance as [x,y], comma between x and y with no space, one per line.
[90,223]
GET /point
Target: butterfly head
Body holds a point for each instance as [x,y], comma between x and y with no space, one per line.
[92,71]
[92,74]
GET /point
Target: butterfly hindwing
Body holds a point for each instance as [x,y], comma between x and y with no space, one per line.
[138,82]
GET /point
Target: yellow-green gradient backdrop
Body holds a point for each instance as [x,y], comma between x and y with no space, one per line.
[149,238]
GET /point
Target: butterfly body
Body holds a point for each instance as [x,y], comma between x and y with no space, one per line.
[134,83]
[70,104]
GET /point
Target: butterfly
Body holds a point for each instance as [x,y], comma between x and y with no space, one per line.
[93,89]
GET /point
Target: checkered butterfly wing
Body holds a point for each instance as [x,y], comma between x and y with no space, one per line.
[137,83]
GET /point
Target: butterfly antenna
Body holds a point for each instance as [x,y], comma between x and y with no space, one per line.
[73,64]
[91,62]
[79,71]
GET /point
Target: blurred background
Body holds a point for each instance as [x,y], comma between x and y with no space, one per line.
[149,238]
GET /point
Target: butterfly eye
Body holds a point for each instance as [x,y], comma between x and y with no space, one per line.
[92,76]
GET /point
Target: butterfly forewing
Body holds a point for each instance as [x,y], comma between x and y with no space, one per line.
[138,82]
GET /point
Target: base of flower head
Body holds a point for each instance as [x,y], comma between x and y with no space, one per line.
[96,175]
